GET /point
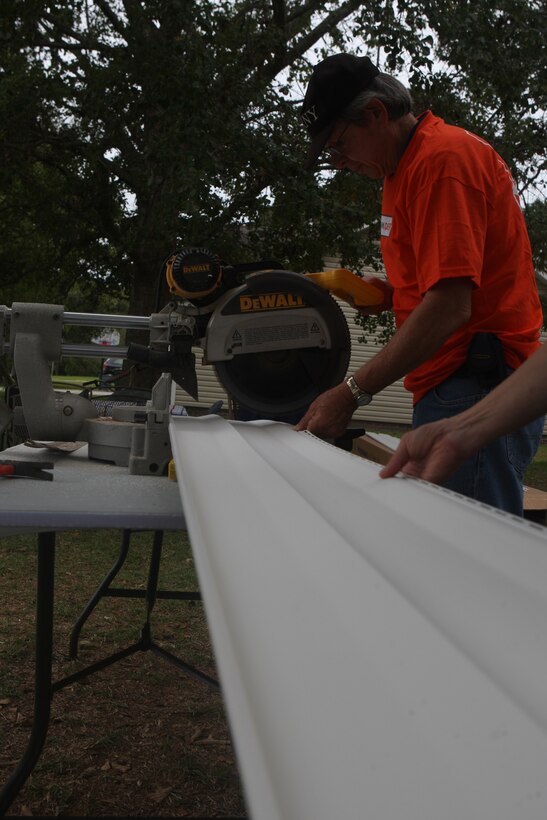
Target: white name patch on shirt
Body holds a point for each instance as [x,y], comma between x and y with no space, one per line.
[385,225]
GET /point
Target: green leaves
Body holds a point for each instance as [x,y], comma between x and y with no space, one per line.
[129,129]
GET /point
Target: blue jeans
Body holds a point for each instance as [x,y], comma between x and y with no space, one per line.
[495,473]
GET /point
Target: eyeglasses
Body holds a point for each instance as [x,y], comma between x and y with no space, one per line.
[336,149]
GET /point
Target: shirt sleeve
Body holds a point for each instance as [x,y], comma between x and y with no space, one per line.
[448,223]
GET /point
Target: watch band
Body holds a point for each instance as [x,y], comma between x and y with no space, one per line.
[361,396]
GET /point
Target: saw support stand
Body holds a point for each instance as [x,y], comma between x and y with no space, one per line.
[35,342]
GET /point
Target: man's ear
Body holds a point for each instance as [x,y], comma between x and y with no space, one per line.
[375,113]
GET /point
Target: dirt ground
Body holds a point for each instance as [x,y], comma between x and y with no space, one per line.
[158,746]
[141,738]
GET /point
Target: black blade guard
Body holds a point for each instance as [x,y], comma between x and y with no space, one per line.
[285,341]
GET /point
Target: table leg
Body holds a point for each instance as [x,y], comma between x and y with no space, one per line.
[104,590]
[42,672]
[100,592]
[145,642]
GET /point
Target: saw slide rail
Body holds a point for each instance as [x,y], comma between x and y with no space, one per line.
[381,644]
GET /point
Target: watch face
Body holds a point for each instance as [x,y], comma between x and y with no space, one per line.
[360,396]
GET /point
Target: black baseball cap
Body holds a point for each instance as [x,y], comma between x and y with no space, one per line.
[335,82]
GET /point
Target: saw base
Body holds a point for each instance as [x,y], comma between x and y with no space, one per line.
[109,440]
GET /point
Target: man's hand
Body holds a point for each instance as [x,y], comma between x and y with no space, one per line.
[432,452]
[370,310]
[328,416]
[387,290]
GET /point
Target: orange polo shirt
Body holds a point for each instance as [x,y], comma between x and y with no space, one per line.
[451,210]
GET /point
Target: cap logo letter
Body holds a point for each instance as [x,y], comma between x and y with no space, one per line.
[310,116]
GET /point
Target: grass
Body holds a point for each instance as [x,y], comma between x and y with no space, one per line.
[536,475]
[59,382]
[58,379]
[68,383]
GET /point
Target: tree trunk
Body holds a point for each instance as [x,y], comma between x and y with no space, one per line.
[147,276]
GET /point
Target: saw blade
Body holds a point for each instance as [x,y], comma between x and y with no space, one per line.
[277,343]
[277,385]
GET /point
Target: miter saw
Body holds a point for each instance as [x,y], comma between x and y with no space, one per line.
[275,338]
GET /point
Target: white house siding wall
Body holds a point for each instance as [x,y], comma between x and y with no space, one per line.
[209,388]
[391,406]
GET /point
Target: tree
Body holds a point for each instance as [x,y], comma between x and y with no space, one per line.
[536,219]
[133,127]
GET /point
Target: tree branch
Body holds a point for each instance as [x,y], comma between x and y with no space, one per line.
[271,69]
[278,13]
[55,31]
[326,25]
[56,25]
[305,8]
[112,18]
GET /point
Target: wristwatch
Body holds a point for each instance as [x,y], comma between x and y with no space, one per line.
[361,397]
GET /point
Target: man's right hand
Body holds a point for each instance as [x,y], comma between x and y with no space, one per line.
[382,285]
[432,452]
[329,414]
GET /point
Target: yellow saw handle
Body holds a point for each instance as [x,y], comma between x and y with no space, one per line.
[344,283]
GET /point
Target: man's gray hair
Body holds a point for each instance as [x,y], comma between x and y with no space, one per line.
[394,95]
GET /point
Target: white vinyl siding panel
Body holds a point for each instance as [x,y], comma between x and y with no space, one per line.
[429,664]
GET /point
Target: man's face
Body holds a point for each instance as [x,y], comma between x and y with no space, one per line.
[362,147]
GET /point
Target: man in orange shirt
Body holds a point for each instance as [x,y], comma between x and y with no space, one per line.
[457,258]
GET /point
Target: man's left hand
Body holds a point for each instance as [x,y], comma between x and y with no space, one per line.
[329,415]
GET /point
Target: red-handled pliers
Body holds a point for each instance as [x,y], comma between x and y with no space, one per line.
[26,469]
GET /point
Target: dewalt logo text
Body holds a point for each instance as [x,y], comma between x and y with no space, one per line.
[270,301]
[195,268]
